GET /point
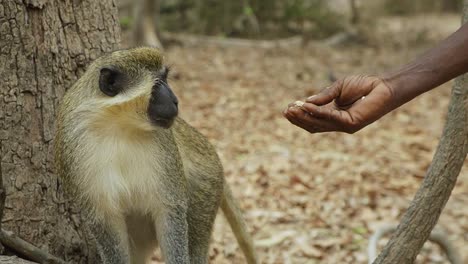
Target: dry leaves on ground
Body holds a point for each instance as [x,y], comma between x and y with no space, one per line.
[311,198]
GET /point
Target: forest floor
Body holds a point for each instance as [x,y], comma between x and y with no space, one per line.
[317,198]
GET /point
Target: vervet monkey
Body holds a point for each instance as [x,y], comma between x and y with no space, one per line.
[142,174]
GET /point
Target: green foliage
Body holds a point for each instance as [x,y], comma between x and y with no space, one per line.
[314,16]
[248,11]
[125,22]
[405,7]
[275,18]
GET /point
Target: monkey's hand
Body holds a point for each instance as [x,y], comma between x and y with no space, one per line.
[347,105]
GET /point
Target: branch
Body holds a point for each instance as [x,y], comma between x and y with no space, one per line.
[193,40]
[426,207]
[14,260]
[437,237]
[354,12]
[26,249]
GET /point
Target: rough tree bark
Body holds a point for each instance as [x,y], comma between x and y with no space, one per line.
[426,207]
[44,47]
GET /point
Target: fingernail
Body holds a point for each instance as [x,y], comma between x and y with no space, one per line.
[311,97]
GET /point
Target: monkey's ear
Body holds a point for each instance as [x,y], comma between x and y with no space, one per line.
[165,73]
[111,81]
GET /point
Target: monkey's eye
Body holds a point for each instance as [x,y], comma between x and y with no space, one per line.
[111,81]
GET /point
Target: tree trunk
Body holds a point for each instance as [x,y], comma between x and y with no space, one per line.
[146,30]
[44,47]
[426,207]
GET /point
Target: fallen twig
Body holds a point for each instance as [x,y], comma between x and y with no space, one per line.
[276,239]
[14,260]
[26,249]
[193,40]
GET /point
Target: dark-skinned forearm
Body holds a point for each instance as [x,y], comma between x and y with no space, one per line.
[437,66]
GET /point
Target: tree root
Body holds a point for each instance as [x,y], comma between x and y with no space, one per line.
[436,236]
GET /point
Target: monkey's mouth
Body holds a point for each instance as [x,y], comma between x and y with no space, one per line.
[165,123]
[163,106]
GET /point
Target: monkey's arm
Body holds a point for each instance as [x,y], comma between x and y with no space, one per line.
[436,237]
[110,244]
[206,180]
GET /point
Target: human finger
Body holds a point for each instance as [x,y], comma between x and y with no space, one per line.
[326,112]
[306,121]
[327,95]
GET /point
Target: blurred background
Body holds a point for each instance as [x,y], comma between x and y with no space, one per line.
[307,198]
[274,19]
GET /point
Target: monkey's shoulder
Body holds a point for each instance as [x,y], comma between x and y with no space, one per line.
[188,136]
[195,147]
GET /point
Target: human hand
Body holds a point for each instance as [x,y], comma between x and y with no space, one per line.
[346,106]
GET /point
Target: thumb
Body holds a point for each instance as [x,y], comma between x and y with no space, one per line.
[326,95]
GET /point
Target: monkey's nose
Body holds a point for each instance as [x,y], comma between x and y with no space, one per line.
[163,106]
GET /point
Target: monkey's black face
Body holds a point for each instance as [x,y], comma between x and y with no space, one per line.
[163,105]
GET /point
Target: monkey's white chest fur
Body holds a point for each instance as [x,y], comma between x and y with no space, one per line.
[121,175]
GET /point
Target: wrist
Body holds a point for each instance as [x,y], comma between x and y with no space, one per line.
[408,82]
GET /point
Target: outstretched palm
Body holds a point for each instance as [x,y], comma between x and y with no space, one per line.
[347,105]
